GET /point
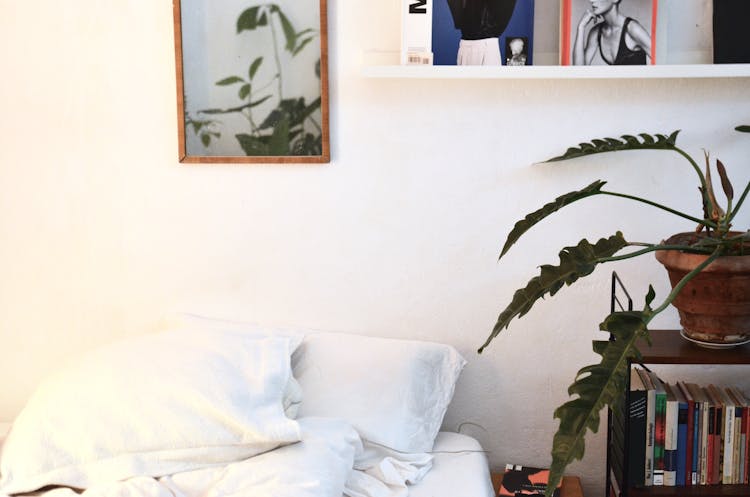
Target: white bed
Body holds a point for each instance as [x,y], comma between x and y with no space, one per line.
[459,468]
[228,409]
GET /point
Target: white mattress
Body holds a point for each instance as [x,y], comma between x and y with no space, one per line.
[460,468]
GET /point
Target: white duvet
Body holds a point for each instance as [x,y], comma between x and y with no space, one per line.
[330,461]
[194,413]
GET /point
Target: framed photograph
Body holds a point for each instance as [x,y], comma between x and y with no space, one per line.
[473,32]
[608,32]
[252,81]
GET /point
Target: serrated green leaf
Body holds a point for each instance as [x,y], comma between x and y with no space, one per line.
[244,91]
[628,142]
[254,67]
[530,220]
[230,81]
[575,263]
[596,387]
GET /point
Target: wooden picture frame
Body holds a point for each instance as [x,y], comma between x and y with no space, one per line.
[252,81]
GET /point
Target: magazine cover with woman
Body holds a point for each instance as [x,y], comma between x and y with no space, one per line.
[483,32]
[608,32]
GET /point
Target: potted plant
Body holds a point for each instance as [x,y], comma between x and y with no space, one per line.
[715,243]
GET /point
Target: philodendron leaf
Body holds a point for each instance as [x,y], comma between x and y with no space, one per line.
[575,262]
[627,142]
[596,386]
[530,220]
[744,128]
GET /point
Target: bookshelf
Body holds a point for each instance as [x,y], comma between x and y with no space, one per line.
[668,347]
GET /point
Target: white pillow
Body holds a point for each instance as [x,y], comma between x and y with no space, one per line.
[152,405]
[189,320]
[394,392]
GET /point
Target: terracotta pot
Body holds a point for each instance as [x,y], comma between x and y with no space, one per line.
[715,305]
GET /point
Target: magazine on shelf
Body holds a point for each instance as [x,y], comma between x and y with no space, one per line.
[500,32]
[609,33]
[731,37]
[525,481]
[416,32]
[685,32]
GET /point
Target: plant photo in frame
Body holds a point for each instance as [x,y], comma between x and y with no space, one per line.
[252,81]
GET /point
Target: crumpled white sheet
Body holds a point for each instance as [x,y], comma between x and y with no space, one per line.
[382,472]
[330,461]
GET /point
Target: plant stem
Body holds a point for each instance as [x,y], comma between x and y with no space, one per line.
[649,248]
[276,57]
[702,222]
[739,203]
[694,164]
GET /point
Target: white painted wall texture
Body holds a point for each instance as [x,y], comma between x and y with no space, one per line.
[102,232]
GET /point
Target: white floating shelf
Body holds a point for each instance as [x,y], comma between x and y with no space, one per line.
[559,72]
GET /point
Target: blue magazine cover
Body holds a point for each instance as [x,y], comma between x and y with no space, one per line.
[503,26]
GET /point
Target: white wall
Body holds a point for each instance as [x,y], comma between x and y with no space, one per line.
[102,231]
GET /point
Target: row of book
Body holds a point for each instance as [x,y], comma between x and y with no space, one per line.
[684,434]
[632,32]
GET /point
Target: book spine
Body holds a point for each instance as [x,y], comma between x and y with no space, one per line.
[659,437]
[705,422]
[637,438]
[710,445]
[671,414]
[683,470]
[696,462]
[737,445]
[690,433]
[650,426]
[728,444]
[718,443]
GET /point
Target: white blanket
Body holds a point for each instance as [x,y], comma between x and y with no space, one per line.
[330,461]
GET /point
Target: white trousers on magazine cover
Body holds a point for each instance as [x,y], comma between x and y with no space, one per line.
[484,52]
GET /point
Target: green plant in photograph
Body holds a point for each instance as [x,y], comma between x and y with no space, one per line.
[600,385]
[289,128]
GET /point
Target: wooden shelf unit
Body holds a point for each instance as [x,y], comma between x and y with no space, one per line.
[668,347]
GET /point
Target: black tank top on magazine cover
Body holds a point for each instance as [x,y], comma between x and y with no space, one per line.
[480,19]
[625,56]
